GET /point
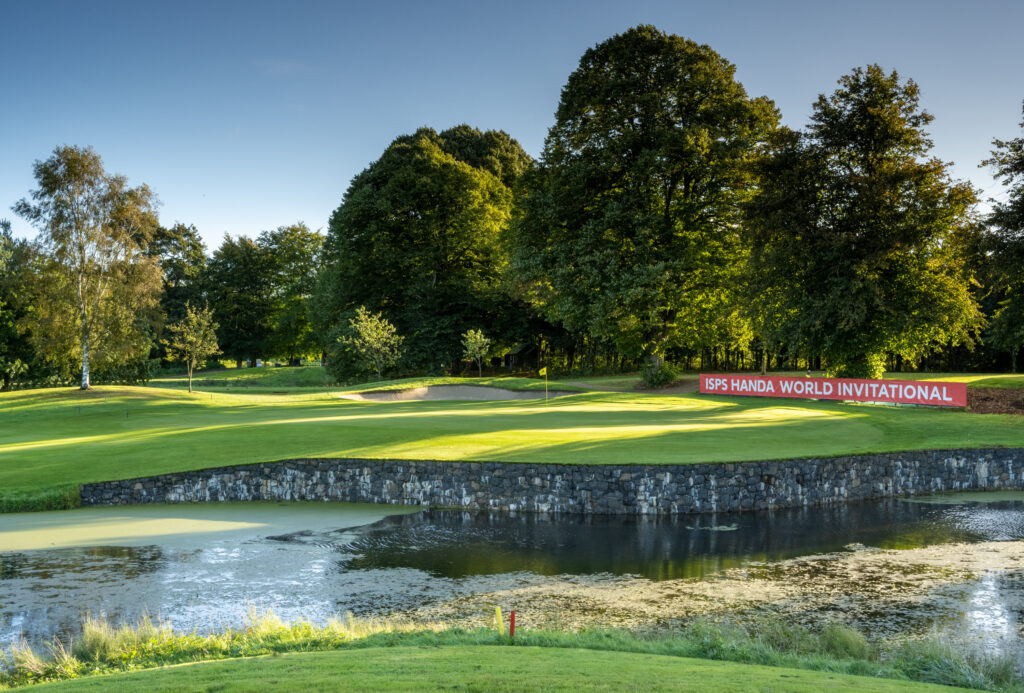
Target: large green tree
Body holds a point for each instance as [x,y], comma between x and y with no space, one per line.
[239,284]
[417,238]
[16,352]
[628,230]
[182,256]
[1006,242]
[857,235]
[98,290]
[295,257]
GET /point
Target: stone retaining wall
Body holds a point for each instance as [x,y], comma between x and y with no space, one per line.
[565,488]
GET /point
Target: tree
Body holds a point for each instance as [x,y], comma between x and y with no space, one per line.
[629,227]
[15,302]
[295,258]
[182,256]
[374,340]
[1006,243]
[476,347]
[193,339]
[417,236]
[857,237]
[98,288]
[239,283]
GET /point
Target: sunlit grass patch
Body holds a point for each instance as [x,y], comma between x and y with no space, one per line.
[553,659]
[53,440]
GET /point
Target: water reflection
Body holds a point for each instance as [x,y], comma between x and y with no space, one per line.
[457,544]
[402,562]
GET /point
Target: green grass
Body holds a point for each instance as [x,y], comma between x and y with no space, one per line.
[316,377]
[1007,380]
[54,439]
[290,377]
[260,380]
[629,381]
[479,668]
[377,654]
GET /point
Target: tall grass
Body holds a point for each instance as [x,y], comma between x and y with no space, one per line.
[50,498]
[104,648]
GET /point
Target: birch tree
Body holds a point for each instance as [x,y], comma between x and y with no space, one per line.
[98,284]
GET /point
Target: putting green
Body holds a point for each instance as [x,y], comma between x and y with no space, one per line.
[57,438]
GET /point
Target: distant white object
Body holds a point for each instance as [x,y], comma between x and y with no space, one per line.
[259,363]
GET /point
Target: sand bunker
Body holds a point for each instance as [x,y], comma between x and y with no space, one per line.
[450,392]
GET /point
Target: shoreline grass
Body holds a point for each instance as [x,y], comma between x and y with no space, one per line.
[104,649]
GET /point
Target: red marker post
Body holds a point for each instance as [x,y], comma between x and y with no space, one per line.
[512,624]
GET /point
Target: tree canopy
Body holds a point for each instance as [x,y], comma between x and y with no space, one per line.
[856,234]
[1006,243]
[182,256]
[295,253]
[239,283]
[629,227]
[193,339]
[417,237]
[97,291]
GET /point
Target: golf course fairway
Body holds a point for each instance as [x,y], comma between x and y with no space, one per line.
[52,440]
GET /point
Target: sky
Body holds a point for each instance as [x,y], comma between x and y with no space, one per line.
[246,116]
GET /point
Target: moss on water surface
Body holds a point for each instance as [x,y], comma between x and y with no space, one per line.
[191,525]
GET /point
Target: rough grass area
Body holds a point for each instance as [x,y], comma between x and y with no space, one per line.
[352,654]
[269,377]
[52,440]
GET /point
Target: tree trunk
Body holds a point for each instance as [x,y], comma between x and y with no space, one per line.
[764,361]
[480,367]
[1013,359]
[85,360]
[189,366]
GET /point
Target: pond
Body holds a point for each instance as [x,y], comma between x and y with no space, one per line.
[205,566]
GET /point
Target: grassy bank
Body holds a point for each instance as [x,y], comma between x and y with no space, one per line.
[480,668]
[52,440]
[359,655]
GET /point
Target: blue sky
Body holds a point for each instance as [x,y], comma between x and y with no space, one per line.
[245,116]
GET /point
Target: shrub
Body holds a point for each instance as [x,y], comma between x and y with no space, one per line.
[659,376]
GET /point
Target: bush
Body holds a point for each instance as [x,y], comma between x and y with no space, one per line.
[844,642]
[132,373]
[659,376]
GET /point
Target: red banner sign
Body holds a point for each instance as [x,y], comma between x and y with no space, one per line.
[847,389]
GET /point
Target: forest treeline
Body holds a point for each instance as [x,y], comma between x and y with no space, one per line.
[670,222]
